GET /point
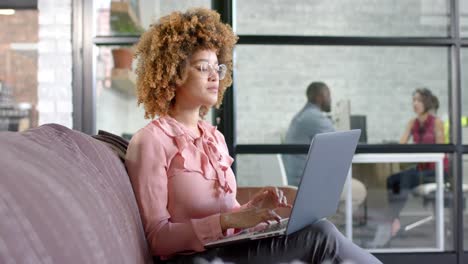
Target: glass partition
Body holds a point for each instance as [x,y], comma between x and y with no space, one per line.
[408,195]
[120,18]
[465,196]
[371,88]
[464,99]
[116,102]
[464,127]
[463,18]
[344,18]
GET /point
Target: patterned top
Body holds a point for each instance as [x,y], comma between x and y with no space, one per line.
[425,134]
[182,183]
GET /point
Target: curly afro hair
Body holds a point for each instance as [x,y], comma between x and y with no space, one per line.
[164,48]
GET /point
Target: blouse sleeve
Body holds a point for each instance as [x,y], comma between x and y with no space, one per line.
[146,162]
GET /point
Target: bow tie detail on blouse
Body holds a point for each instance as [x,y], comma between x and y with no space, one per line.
[218,161]
[202,154]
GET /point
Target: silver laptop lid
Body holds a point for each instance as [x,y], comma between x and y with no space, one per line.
[329,159]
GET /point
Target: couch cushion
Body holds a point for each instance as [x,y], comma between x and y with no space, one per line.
[118,144]
[66,198]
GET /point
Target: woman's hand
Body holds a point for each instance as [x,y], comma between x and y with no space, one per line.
[268,198]
[247,218]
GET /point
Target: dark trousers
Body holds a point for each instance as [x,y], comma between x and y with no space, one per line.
[400,185]
[317,243]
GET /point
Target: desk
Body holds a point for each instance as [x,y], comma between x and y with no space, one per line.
[437,158]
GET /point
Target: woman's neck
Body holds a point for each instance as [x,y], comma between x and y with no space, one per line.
[422,117]
[188,118]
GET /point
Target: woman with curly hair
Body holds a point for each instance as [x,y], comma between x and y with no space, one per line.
[179,165]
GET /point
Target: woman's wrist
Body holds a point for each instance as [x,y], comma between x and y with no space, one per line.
[224,222]
[247,205]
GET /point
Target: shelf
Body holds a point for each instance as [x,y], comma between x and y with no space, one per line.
[116,40]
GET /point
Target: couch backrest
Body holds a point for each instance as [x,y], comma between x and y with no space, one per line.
[66,198]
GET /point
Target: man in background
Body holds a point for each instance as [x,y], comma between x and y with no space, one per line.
[310,120]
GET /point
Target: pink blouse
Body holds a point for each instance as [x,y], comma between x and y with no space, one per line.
[182,183]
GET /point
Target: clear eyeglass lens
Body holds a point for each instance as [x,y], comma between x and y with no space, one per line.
[209,68]
[205,67]
[222,71]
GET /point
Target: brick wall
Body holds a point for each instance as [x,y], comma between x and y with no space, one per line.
[35,51]
[55,62]
[19,28]
[18,56]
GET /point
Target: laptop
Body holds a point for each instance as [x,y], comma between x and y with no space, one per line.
[318,194]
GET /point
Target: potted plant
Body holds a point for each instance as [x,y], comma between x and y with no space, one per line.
[124,19]
[123,57]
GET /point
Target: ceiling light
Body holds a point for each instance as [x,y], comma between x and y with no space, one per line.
[7,12]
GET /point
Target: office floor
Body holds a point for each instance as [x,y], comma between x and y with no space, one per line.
[421,236]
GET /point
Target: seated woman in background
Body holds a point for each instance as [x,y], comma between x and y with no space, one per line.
[179,165]
[425,128]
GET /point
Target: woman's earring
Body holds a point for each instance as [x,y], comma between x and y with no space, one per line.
[172,95]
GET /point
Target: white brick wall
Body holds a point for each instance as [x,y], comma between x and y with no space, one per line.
[344,17]
[378,81]
[55,62]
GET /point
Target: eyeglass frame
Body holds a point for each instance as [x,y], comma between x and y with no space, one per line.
[221,71]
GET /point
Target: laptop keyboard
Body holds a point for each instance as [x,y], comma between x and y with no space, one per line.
[274,227]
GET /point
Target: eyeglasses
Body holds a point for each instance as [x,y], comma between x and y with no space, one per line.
[207,69]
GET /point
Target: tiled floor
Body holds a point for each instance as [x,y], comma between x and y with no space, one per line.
[422,236]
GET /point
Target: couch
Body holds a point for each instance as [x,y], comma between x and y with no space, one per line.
[65,197]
